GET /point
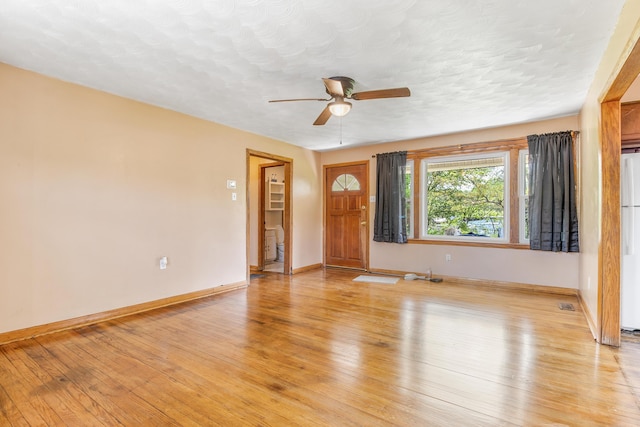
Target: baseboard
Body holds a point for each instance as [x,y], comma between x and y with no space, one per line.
[523,287]
[50,328]
[589,317]
[306,268]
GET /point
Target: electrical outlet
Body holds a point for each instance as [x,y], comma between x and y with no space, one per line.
[163,263]
[447,257]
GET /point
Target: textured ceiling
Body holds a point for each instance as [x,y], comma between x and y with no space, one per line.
[469,64]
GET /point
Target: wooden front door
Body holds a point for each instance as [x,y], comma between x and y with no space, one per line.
[346,215]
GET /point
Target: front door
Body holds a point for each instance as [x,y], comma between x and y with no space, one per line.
[346,230]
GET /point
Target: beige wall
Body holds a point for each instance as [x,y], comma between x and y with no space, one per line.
[633,93]
[95,188]
[623,39]
[509,265]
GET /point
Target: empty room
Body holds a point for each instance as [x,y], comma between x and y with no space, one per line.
[319,213]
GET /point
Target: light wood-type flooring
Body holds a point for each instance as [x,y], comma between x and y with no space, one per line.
[317,349]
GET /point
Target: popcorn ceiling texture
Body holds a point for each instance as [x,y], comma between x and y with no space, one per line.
[469,64]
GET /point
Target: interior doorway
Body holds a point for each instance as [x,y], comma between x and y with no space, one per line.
[269,217]
[271,190]
[608,316]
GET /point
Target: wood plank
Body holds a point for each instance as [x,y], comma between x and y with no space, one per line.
[318,349]
[66,382]
[23,385]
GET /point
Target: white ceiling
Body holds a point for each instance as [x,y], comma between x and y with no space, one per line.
[469,64]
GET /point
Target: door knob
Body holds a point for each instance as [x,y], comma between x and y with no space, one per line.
[363,222]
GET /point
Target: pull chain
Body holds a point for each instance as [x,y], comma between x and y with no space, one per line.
[340,130]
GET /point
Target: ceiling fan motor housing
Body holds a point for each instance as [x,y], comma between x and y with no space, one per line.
[347,85]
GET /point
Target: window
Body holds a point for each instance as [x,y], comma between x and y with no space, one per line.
[469,194]
[346,182]
[465,197]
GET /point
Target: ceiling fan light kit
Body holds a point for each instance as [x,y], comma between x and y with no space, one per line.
[339,88]
[339,108]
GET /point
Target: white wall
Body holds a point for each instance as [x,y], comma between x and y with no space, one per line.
[507,265]
[95,188]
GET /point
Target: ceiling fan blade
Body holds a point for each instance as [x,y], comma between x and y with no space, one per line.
[334,87]
[323,117]
[383,93]
[300,99]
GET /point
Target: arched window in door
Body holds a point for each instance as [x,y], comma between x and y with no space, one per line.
[346,182]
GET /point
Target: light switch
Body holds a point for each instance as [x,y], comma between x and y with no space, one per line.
[234,196]
[372,199]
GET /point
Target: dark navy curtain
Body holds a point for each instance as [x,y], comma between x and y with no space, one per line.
[390,223]
[553,217]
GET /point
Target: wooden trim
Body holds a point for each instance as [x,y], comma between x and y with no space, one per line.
[268,156]
[625,77]
[287,217]
[368,219]
[340,165]
[476,147]
[261,215]
[417,200]
[609,248]
[247,213]
[465,243]
[50,328]
[307,268]
[588,316]
[514,196]
[521,287]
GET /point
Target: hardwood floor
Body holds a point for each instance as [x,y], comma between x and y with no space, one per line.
[317,349]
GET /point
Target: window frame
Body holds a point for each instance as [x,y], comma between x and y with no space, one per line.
[424,197]
[523,196]
[512,230]
[411,211]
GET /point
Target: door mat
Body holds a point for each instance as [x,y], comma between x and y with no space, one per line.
[376,279]
[256,276]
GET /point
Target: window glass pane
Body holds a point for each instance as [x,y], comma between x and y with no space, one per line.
[465,197]
[351,183]
[345,182]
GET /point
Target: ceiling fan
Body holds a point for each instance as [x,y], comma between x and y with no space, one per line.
[341,88]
